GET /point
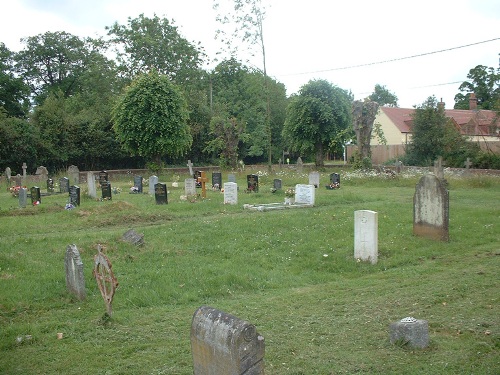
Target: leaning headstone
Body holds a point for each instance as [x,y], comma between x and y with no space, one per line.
[223,344]
[277,184]
[161,193]
[189,187]
[133,237]
[410,332]
[74,195]
[138,184]
[314,179]
[304,194]
[300,165]
[92,190]
[23,197]
[366,235]
[216,180]
[74,174]
[36,197]
[230,193]
[75,280]
[153,180]
[64,185]
[253,183]
[431,208]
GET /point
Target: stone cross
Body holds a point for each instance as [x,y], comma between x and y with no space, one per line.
[203,179]
[467,163]
[24,172]
[398,164]
[438,168]
[190,165]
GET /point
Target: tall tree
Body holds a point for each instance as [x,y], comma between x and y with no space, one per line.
[320,113]
[150,119]
[484,82]
[14,93]
[383,96]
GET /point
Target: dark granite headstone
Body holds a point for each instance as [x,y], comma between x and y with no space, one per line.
[64,185]
[196,176]
[277,183]
[217,180]
[138,184]
[253,183]
[50,185]
[106,190]
[36,197]
[103,177]
[161,193]
[74,195]
[334,181]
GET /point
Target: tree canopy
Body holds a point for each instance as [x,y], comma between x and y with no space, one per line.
[484,82]
[383,96]
[317,117]
[150,119]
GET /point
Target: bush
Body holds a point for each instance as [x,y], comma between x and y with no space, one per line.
[487,160]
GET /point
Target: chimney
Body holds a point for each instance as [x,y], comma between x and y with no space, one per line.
[472,102]
[441,104]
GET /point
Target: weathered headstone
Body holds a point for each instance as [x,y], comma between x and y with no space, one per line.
[189,187]
[17,180]
[8,175]
[74,174]
[23,197]
[42,173]
[230,193]
[161,193]
[138,184]
[190,165]
[74,195]
[133,237]
[304,194]
[103,177]
[50,185]
[366,235]
[431,208]
[36,197]
[75,279]
[300,165]
[314,179]
[153,180]
[253,183]
[399,165]
[92,190]
[64,185]
[410,332]
[231,177]
[223,344]
[277,184]
[216,180]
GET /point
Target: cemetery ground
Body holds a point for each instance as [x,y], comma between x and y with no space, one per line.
[290,272]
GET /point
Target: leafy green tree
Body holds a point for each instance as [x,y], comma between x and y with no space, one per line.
[14,93]
[383,96]
[320,113]
[484,82]
[150,119]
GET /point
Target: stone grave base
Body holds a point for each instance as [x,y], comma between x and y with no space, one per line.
[275,206]
[414,334]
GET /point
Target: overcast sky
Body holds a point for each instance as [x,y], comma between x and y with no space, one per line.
[313,39]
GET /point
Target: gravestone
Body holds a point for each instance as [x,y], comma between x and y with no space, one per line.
[91,185]
[277,183]
[24,173]
[438,168]
[50,185]
[197,176]
[203,179]
[366,235]
[106,280]
[23,197]
[399,165]
[153,180]
[161,193]
[334,181]
[74,195]
[314,179]
[189,187]
[36,197]
[75,279]
[190,165]
[74,174]
[253,183]
[216,180]
[64,185]
[42,173]
[103,177]
[304,194]
[431,208]
[138,184]
[223,344]
[17,180]
[131,236]
[300,165]
[410,332]
[106,190]
[8,175]
[231,177]
[467,164]
[230,193]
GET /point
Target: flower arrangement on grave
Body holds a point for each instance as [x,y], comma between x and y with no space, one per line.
[273,190]
[14,190]
[133,190]
[290,193]
[116,190]
[333,185]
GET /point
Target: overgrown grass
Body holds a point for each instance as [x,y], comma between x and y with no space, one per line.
[291,273]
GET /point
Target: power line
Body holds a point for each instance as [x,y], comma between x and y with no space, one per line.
[391,60]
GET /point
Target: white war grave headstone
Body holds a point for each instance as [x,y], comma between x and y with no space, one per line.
[431,208]
[75,280]
[230,193]
[305,194]
[91,185]
[366,235]
[153,180]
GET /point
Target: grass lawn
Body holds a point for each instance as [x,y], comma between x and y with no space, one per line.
[292,273]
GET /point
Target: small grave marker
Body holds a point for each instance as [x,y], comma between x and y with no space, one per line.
[314,179]
[438,168]
[230,193]
[366,235]
[467,164]
[253,183]
[277,183]
[36,197]
[411,332]
[74,195]
[75,280]
[133,237]
[24,171]
[223,344]
[161,193]
[203,181]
